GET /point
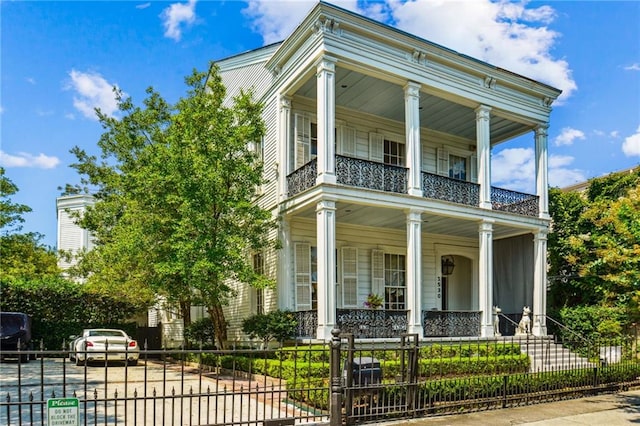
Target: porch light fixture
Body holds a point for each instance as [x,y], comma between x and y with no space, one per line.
[447,265]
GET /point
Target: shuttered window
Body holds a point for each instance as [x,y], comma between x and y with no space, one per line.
[346,141]
[349,276]
[306,140]
[377,272]
[302,275]
[376,147]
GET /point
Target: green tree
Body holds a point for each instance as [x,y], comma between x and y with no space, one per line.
[175,190]
[595,244]
[278,325]
[22,256]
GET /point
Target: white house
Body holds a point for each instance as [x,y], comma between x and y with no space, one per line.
[377,156]
[71,238]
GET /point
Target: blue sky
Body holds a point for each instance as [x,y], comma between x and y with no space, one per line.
[59,60]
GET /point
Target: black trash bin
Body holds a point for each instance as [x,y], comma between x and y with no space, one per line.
[364,371]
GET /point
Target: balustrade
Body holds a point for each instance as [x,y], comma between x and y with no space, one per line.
[372,323]
[451,323]
[383,177]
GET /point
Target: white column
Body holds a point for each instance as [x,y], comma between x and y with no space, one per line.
[412,130]
[284,145]
[483,141]
[326,236]
[285,281]
[326,107]
[542,170]
[414,271]
[485,278]
[540,284]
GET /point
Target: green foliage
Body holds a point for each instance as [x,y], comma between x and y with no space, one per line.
[175,188]
[60,308]
[593,250]
[22,257]
[10,213]
[594,322]
[278,325]
[200,332]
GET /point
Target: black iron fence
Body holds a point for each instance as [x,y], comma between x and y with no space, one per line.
[347,380]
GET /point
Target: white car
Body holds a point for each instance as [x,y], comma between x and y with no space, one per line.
[100,344]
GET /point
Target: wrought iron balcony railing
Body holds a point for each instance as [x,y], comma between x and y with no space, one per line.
[448,189]
[514,202]
[307,323]
[303,178]
[451,323]
[372,323]
[371,175]
[383,177]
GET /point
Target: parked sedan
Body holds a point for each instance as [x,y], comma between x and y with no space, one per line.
[100,344]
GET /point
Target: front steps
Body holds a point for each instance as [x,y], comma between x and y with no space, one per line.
[546,355]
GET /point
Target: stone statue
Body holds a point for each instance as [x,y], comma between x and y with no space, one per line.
[524,326]
[496,321]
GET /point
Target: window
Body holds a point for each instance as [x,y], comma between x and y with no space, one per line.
[306,140]
[258,267]
[306,276]
[457,166]
[394,281]
[393,153]
[349,276]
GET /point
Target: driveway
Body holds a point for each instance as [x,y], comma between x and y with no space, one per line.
[173,395]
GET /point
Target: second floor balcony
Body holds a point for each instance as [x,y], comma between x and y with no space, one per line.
[381,177]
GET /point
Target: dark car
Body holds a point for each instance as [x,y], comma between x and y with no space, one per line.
[15,334]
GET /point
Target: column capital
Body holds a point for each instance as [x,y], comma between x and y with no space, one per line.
[414,215]
[540,235]
[285,102]
[326,205]
[326,63]
[542,129]
[486,226]
[412,89]
[483,112]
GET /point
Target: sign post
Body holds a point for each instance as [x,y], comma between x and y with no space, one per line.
[63,412]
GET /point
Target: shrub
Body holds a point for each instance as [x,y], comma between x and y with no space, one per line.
[278,325]
[201,332]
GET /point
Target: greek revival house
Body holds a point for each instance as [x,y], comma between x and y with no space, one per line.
[377,156]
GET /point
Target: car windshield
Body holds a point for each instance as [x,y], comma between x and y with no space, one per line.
[106,333]
[12,323]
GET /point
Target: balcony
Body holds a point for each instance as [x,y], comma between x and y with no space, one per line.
[372,323]
[382,177]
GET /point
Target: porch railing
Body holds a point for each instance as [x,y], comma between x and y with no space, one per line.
[371,175]
[448,189]
[372,323]
[514,202]
[307,323]
[382,177]
[451,323]
[303,178]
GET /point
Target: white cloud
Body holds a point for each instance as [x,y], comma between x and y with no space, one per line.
[514,168]
[176,17]
[271,23]
[92,91]
[24,159]
[506,34]
[143,6]
[567,136]
[633,67]
[631,144]
[30,80]
[614,134]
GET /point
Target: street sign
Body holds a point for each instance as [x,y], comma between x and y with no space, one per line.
[62,412]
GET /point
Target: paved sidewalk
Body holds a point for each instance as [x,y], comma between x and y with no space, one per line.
[611,410]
